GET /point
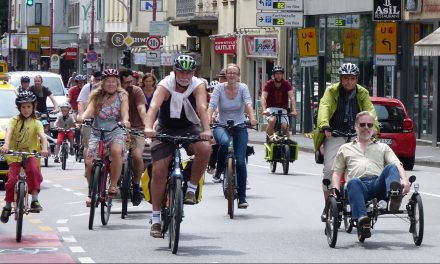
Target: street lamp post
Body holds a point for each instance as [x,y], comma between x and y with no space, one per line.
[127,8]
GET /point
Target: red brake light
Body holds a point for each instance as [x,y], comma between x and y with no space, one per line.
[408,125]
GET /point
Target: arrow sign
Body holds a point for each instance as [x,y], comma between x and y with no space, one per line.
[280,5]
[386,42]
[280,19]
[307,44]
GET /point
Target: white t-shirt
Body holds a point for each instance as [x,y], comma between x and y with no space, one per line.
[85,92]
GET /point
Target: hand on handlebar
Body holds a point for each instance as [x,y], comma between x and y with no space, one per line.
[293,113]
[328,133]
[149,133]
[206,134]
[44,153]
[266,112]
[4,149]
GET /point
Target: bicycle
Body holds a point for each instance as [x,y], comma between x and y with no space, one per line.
[77,145]
[100,181]
[127,178]
[229,182]
[21,201]
[64,152]
[172,203]
[280,148]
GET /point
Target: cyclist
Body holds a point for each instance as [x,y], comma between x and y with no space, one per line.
[338,108]
[64,121]
[371,170]
[138,119]
[232,99]
[274,97]
[108,105]
[24,84]
[149,82]
[180,99]
[42,92]
[24,133]
[74,91]
[221,76]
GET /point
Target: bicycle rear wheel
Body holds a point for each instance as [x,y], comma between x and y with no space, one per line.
[229,175]
[332,222]
[125,190]
[64,153]
[417,220]
[106,202]
[286,159]
[94,193]
[19,210]
[176,215]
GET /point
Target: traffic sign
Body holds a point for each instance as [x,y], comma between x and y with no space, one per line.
[386,38]
[159,28]
[352,39]
[280,5]
[128,40]
[54,62]
[92,56]
[153,58]
[280,19]
[307,42]
[153,42]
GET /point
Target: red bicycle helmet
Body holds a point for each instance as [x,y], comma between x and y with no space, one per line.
[110,73]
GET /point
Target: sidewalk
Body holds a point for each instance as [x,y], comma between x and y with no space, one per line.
[425,155]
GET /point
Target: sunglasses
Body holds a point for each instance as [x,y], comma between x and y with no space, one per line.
[370,125]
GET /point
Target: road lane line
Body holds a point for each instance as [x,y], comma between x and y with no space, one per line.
[35,221]
[77,202]
[48,181]
[62,221]
[62,229]
[57,185]
[45,228]
[86,260]
[68,239]
[430,194]
[67,189]
[79,194]
[77,249]
[83,214]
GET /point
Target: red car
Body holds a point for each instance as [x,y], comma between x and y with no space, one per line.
[396,129]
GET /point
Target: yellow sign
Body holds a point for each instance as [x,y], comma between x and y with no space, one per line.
[38,36]
[307,42]
[352,40]
[386,38]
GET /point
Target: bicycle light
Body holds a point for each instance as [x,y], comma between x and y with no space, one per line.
[416,187]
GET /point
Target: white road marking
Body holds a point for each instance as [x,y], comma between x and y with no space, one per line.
[83,214]
[48,181]
[430,194]
[79,194]
[77,250]
[296,172]
[86,260]
[62,229]
[57,185]
[62,221]
[69,239]
[77,202]
[67,189]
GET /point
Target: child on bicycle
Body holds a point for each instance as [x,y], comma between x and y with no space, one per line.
[64,121]
[24,134]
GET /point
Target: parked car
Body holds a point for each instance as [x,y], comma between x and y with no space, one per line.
[8,109]
[51,80]
[396,129]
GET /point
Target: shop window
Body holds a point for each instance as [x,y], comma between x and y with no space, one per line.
[38,10]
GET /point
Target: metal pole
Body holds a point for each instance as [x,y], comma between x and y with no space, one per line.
[51,28]
[9,32]
[154,9]
[92,27]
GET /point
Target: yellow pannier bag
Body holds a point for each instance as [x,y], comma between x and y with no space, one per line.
[186,164]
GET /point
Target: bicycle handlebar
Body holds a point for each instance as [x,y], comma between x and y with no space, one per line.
[135,132]
[231,124]
[63,129]
[88,122]
[178,140]
[23,153]
[337,133]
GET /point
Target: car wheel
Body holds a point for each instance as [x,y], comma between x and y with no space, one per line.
[408,163]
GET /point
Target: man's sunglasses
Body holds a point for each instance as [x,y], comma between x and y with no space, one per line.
[370,125]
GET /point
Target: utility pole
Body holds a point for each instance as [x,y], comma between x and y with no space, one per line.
[92,27]
[51,28]
[9,60]
[154,9]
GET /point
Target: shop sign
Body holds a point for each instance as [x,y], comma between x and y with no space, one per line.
[166,59]
[387,10]
[225,45]
[261,46]
[71,54]
[118,39]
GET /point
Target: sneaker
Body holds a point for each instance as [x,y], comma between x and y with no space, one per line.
[395,197]
[190,198]
[248,186]
[217,177]
[155,231]
[242,204]
[364,225]
[56,159]
[5,214]
[72,152]
[137,198]
[211,171]
[36,207]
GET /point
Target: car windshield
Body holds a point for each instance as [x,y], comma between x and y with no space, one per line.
[7,107]
[390,118]
[54,84]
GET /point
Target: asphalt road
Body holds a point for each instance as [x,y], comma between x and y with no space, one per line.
[282,224]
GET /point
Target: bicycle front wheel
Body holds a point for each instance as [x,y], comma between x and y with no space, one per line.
[106,202]
[125,190]
[230,187]
[94,193]
[176,215]
[417,220]
[19,210]
[64,153]
[332,222]
[286,159]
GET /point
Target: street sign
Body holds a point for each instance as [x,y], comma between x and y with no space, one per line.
[386,38]
[308,61]
[307,42]
[153,58]
[280,5]
[54,62]
[92,56]
[280,19]
[386,60]
[128,40]
[352,39]
[153,42]
[159,28]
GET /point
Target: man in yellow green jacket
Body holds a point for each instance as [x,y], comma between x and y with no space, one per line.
[338,108]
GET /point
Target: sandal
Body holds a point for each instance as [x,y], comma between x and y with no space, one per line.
[89,202]
[113,190]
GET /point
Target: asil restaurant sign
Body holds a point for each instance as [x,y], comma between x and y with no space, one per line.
[387,10]
[225,45]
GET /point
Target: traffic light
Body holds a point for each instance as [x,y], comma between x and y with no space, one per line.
[126,59]
[30,2]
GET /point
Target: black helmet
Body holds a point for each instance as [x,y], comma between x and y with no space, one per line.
[25,97]
[184,63]
[348,69]
[278,68]
[25,79]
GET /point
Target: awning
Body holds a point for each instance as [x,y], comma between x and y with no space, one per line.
[429,45]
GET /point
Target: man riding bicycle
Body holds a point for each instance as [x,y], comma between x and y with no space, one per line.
[180,99]
[275,96]
[72,97]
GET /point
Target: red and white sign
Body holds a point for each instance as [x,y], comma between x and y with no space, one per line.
[225,45]
[261,46]
[71,54]
[153,42]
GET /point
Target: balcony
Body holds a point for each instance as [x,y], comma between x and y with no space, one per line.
[197,17]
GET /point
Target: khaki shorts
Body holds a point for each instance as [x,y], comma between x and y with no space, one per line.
[161,150]
[136,143]
[331,147]
[85,135]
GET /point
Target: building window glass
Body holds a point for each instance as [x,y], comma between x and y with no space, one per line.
[38,10]
[74,15]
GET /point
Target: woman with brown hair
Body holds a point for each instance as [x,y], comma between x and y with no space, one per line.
[149,82]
